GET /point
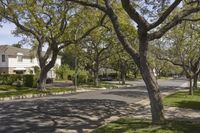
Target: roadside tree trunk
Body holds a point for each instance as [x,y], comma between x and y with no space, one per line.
[42,80]
[96,72]
[190,88]
[150,81]
[142,63]
[123,72]
[195,85]
[96,78]
[46,66]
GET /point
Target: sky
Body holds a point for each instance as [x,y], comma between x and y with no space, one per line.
[6,36]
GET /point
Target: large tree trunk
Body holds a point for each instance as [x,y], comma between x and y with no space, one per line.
[96,78]
[96,72]
[45,67]
[141,61]
[150,81]
[42,80]
[123,72]
[190,87]
[195,81]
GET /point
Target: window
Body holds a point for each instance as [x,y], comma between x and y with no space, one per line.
[3,57]
[19,58]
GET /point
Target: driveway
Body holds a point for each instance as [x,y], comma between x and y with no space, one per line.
[76,113]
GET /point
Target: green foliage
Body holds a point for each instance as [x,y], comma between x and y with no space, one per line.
[183,100]
[11,88]
[21,91]
[128,125]
[18,45]
[62,72]
[83,76]
[9,79]
[28,80]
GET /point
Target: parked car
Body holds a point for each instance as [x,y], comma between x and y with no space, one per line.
[106,79]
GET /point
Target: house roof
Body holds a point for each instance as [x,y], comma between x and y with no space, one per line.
[10,50]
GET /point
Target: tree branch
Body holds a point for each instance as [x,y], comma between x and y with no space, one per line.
[89,4]
[171,61]
[165,14]
[134,15]
[175,21]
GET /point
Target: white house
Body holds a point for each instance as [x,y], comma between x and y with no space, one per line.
[20,61]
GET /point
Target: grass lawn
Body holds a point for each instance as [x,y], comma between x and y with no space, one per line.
[17,91]
[129,125]
[183,100]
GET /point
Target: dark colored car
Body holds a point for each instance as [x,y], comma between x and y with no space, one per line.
[106,79]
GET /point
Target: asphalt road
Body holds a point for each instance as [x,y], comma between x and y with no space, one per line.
[75,112]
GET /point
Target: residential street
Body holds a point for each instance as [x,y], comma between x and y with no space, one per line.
[76,112]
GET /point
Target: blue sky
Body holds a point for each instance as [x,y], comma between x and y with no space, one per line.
[6,36]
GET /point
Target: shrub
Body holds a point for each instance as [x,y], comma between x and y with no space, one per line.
[62,72]
[83,76]
[17,80]
[28,80]
[9,79]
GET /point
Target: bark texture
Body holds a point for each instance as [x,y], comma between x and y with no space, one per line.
[150,80]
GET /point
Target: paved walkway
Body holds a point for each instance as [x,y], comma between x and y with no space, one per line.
[74,113]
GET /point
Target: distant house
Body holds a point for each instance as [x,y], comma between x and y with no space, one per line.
[15,60]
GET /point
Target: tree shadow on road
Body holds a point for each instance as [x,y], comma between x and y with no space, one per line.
[135,94]
[57,115]
[138,91]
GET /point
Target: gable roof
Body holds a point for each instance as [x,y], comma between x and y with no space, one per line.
[10,50]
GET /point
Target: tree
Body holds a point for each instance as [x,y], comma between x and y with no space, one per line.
[48,23]
[183,51]
[122,62]
[162,68]
[62,72]
[18,45]
[146,32]
[95,50]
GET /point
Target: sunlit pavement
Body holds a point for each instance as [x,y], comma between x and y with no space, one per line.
[77,113]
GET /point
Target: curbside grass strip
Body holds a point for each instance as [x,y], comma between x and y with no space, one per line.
[80,90]
[28,96]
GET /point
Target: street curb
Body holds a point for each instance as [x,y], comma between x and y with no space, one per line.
[29,96]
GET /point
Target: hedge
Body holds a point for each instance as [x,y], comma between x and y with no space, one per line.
[28,80]
[9,79]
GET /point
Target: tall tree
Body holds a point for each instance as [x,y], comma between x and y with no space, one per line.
[51,23]
[183,50]
[18,45]
[147,31]
[96,49]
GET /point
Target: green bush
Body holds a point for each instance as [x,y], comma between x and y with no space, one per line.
[17,79]
[83,76]
[63,72]
[9,79]
[28,80]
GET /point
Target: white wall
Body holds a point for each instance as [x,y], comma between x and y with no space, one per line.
[3,64]
[13,62]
